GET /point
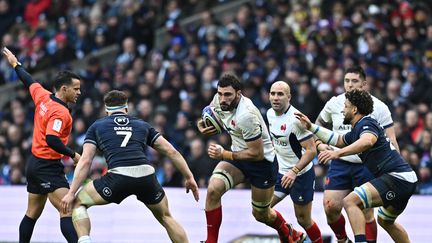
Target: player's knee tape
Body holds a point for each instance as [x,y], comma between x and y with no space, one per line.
[225,177]
[386,215]
[260,206]
[85,198]
[364,195]
[79,213]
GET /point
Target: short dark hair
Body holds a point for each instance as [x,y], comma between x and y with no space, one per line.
[360,99]
[229,79]
[115,98]
[65,78]
[358,70]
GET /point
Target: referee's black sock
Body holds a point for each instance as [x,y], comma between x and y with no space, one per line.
[68,229]
[26,229]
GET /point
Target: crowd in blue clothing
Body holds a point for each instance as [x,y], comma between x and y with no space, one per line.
[306,43]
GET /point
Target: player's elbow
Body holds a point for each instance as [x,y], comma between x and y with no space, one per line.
[257,154]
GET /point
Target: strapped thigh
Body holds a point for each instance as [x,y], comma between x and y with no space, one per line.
[364,195]
[85,198]
[386,215]
[225,177]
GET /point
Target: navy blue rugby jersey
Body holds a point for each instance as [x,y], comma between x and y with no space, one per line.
[382,158]
[122,139]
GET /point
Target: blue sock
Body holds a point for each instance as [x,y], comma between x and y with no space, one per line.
[68,229]
[26,229]
[360,238]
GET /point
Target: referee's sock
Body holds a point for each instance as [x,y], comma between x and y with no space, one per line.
[68,229]
[84,239]
[26,229]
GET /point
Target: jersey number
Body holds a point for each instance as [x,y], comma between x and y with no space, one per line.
[127,135]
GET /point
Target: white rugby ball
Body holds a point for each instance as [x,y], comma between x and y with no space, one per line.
[210,118]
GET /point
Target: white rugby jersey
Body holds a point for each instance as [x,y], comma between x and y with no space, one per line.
[332,112]
[287,133]
[245,123]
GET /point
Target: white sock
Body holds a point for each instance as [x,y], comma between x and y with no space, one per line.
[84,239]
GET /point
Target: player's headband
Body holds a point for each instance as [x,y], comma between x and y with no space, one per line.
[113,108]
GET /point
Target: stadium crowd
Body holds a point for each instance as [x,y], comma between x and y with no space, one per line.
[306,43]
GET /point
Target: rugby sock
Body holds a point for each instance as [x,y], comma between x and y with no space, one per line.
[371,232]
[214,220]
[314,233]
[26,229]
[68,229]
[281,226]
[84,239]
[360,238]
[338,228]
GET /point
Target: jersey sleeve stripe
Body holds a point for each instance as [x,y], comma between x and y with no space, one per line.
[332,135]
[388,125]
[368,131]
[305,138]
[90,141]
[253,138]
[154,139]
[343,138]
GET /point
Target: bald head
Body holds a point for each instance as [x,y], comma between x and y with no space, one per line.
[281,85]
[280,96]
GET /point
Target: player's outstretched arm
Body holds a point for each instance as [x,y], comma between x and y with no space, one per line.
[23,75]
[166,148]
[327,136]
[80,174]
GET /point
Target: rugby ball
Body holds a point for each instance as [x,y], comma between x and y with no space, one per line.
[210,118]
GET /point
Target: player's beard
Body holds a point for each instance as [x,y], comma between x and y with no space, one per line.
[347,120]
[229,107]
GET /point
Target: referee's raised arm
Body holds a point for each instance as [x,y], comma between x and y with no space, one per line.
[23,75]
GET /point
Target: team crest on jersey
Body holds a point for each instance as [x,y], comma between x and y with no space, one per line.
[283,127]
[233,123]
[121,120]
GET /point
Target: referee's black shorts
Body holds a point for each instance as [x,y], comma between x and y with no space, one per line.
[45,176]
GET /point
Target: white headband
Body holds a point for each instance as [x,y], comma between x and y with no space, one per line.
[113,108]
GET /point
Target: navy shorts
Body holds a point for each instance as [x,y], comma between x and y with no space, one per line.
[44,176]
[343,175]
[394,191]
[115,188]
[302,190]
[261,174]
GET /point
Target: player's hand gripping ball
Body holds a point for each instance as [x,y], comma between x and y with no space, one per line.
[210,118]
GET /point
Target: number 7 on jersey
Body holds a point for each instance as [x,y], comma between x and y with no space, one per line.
[127,134]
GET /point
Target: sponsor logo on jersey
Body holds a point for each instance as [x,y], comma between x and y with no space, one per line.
[121,120]
[344,127]
[57,125]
